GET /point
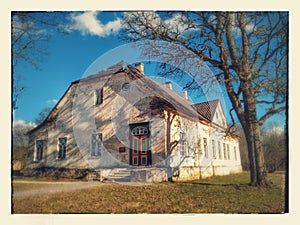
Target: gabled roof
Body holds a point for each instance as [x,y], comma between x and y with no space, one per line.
[114,69]
[201,111]
[119,67]
[150,87]
[207,109]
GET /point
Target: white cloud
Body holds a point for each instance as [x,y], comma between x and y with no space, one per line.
[52,101]
[236,29]
[177,23]
[22,123]
[88,23]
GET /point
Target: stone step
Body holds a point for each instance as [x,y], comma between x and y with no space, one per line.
[120,176]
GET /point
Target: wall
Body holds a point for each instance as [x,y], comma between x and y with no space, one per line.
[193,162]
[78,118]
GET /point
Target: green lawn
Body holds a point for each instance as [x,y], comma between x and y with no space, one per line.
[227,194]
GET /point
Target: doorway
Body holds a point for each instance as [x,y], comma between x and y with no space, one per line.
[140,153]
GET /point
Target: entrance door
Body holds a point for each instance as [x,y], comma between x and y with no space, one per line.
[139,150]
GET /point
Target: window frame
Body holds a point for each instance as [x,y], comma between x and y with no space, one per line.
[220,150]
[182,144]
[99,96]
[139,130]
[224,151]
[38,156]
[228,152]
[98,145]
[213,145]
[205,148]
[62,154]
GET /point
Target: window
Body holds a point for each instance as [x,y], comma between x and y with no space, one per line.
[139,131]
[213,144]
[182,144]
[205,147]
[220,150]
[228,152]
[39,148]
[96,144]
[224,151]
[62,148]
[125,86]
[235,154]
[99,96]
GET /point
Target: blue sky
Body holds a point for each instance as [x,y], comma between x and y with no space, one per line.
[90,36]
[68,58]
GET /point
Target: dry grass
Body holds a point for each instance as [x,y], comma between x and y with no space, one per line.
[228,194]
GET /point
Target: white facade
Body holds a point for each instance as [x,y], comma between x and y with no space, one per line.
[184,138]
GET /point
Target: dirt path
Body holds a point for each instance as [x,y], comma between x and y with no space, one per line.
[49,187]
[53,187]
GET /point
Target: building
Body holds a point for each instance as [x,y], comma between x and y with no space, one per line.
[119,118]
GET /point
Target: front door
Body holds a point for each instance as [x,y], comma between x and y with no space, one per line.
[139,150]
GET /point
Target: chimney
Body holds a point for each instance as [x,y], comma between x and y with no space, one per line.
[140,67]
[185,94]
[169,85]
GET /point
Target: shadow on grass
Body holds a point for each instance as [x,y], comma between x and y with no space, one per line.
[237,186]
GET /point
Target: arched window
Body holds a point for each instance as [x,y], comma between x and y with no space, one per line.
[139,131]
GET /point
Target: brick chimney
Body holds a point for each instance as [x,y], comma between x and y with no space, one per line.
[140,67]
[169,85]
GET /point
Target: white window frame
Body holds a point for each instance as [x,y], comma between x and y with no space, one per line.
[205,148]
[98,141]
[58,149]
[36,155]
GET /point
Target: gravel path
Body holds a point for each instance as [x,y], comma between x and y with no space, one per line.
[53,187]
[57,186]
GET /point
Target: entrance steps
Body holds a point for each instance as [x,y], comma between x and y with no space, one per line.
[121,175]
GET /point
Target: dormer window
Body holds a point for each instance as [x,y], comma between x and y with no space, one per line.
[98,96]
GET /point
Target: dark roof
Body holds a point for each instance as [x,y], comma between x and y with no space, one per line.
[207,109]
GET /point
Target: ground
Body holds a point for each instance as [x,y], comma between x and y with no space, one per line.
[227,194]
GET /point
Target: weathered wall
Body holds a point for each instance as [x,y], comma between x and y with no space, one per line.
[78,118]
[60,127]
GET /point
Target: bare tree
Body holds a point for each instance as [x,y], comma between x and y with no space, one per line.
[20,141]
[247,51]
[30,34]
[42,115]
[275,147]
[243,147]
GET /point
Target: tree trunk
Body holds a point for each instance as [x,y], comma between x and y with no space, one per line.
[252,132]
[259,158]
[251,127]
[251,155]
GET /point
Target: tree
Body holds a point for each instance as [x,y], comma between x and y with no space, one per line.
[247,51]
[275,148]
[243,148]
[20,140]
[42,115]
[30,34]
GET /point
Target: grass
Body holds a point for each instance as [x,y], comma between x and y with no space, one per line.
[226,194]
